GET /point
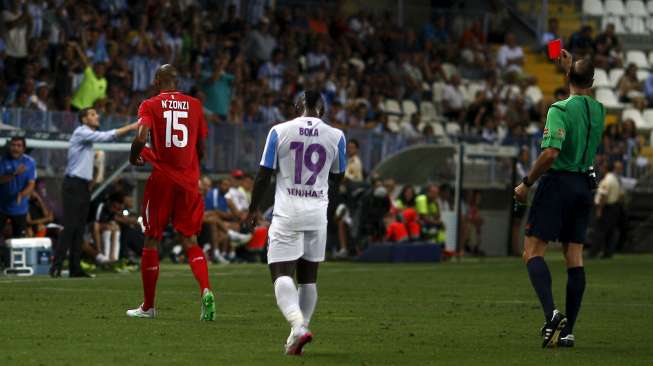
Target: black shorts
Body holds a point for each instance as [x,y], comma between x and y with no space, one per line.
[561,208]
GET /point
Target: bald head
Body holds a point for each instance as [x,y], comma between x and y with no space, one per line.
[165,77]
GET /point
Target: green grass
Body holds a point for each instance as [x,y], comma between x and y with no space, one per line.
[470,313]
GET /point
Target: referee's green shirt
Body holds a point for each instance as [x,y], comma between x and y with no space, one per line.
[566,130]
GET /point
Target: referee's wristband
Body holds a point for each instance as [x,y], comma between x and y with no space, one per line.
[526,182]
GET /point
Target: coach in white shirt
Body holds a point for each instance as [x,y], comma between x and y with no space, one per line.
[510,56]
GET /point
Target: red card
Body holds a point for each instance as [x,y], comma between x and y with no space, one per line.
[555,47]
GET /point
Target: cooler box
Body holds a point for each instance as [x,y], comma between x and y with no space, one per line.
[29,256]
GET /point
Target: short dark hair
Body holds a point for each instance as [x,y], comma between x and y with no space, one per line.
[355,142]
[83,113]
[312,98]
[19,138]
[581,73]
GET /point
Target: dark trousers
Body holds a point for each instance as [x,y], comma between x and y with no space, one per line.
[18,229]
[76,201]
[606,228]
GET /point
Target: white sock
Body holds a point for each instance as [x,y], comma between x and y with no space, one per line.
[307,300]
[106,243]
[288,301]
[101,259]
[115,250]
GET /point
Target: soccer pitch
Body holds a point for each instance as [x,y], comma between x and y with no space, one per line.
[478,312]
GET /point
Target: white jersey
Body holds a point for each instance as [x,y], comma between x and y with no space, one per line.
[303,152]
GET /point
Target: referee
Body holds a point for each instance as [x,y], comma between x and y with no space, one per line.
[77,188]
[561,207]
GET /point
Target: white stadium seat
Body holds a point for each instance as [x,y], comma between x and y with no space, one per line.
[438,130]
[636,25]
[635,115]
[614,7]
[650,58]
[649,27]
[453,128]
[408,107]
[601,79]
[427,109]
[636,7]
[615,75]
[642,75]
[449,69]
[534,93]
[616,20]
[472,89]
[648,118]
[392,107]
[593,7]
[638,58]
[649,6]
[393,123]
[438,89]
[608,98]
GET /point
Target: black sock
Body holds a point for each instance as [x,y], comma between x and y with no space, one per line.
[575,289]
[540,277]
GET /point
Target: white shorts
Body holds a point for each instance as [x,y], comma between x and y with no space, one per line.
[289,245]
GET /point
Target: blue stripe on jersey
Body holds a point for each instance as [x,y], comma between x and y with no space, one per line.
[271,150]
[342,156]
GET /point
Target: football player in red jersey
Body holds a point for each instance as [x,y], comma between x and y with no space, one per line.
[175,124]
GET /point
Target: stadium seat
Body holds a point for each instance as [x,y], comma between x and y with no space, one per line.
[438,89]
[449,70]
[408,107]
[453,128]
[601,79]
[616,20]
[393,123]
[534,93]
[593,7]
[642,75]
[648,117]
[608,98]
[614,7]
[615,75]
[636,116]
[638,58]
[636,25]
[635,7]
[392,107]
[471,90]
[427,109]
[438,130]
[649,6]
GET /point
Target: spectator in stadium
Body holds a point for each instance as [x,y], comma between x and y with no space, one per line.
[445,198]
[18,25]
[272,72]
[260,42]
[429,212]
[510,56]
[453,99]
[608,210]
[472,224]
[648,90]
[354,172]
[218,88]
[269,112]
[630,89]
[238,192]
[93,86]
[76,189]
[17,182]
[607,49]
[550,35]
[40,100]
[581,43]
[410,131]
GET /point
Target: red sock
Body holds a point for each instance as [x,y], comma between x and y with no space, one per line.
[197,263]
[149,275]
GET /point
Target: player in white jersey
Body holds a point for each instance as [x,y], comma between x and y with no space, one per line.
[307,156]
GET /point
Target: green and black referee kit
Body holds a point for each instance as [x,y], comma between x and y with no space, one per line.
[563,199]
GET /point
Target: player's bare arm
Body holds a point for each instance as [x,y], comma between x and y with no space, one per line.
[138,144]
[543,163]
[126,129]
[261,184]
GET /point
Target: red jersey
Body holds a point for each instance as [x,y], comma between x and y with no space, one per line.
[176,123]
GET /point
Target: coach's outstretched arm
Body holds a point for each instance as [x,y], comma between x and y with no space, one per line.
[261,183]
[138,144]
[543,163]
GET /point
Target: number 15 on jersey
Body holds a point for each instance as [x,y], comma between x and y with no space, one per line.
[173,123]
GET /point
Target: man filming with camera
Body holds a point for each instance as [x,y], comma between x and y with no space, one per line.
[563,199]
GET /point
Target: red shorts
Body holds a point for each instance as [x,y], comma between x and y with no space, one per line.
[164,200]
